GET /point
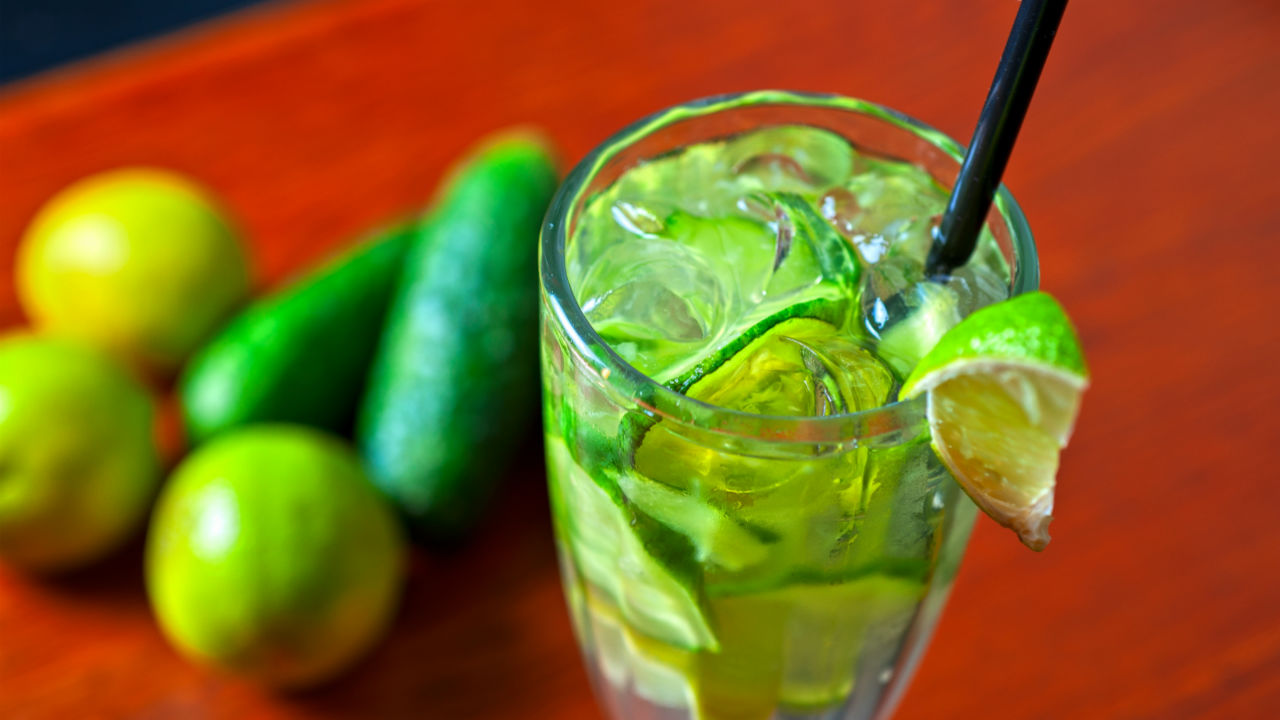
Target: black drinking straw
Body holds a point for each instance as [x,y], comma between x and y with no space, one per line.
[998,125]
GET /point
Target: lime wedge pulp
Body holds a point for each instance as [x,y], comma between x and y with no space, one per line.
[1004,390]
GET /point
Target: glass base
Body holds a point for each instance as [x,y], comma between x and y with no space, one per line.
[623,700]
[638,678]
[631,687]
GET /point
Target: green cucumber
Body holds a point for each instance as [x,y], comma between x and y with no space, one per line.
[453,384]
[300,355]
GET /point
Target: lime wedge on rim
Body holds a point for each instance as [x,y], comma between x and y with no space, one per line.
[1004,390]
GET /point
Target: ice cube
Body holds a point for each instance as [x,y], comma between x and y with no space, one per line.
[790,158]
[846,377]
[775,171]
[764,208]
[742,250]
[801,366]
[888,290]
[637,219]
[897,208]
[977,286]
[810,252]
[603,225]
[928,311]
[654,301]
[907,312]
[687,179]
[841,208]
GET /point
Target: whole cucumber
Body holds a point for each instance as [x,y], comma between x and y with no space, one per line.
[454,380]
[301,354]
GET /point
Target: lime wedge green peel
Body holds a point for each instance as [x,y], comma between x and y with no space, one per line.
[1004,390]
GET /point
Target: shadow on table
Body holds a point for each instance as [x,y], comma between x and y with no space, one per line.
[114,582]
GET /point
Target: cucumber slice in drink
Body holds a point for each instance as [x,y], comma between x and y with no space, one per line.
[811,504]
[801,366]
[716,538]
[637,563]
[830,310]
[672,523]
[655,671]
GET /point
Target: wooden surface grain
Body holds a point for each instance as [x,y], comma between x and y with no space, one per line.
[1147,166]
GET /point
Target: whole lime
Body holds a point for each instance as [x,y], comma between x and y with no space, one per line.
[272,556]
[139,261]
[78,460]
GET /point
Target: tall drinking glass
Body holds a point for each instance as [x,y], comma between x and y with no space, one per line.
[720,563]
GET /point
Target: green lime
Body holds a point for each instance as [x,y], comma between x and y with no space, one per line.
[271,555]
[78,460]
[138,261]
[1004,390]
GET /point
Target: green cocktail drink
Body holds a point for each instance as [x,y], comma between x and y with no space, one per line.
[751,525]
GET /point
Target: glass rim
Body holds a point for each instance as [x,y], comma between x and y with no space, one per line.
[660,401]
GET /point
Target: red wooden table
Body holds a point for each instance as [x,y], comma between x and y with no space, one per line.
[1148,167]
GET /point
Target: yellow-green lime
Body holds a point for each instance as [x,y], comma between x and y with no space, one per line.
[1004,390]
[139,261]
[78,458]
[271,555]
